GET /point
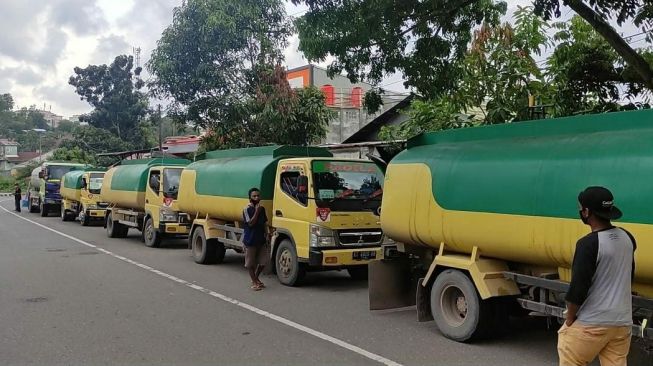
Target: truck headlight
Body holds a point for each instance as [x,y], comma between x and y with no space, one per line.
[321,236]
[91,207]
[168,216]
[387,240]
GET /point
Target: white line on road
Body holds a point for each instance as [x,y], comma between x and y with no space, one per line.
[277,318]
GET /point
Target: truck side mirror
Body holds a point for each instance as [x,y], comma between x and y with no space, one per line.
[41,175]
[84,185]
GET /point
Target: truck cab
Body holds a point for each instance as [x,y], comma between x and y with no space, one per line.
[162,215]
[325,216]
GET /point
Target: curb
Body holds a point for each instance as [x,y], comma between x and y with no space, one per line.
[6,194]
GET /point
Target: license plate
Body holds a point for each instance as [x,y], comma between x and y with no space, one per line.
[361,256]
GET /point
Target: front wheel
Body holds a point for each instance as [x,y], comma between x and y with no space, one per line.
[151,236]
[458,310]
[43,208]
[64,214]
[83,218]
[289,271]
[358,272]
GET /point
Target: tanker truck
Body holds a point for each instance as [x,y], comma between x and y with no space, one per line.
[485,218]
[323,211]
[80,196]
[142,194]
[43,192]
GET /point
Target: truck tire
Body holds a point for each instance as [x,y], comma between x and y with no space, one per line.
[151,236]
[64,215]
[458,310]
[43,209]
[115,229]
[289,271]
[358,272]
[205,251]
[32,208]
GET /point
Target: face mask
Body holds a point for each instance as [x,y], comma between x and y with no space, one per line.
[584,219]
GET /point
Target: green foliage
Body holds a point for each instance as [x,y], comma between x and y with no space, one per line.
[113,91]
[74,155]
[66,126]
[87,141]
[426,116]
[206,59]
[6,102]
[423,39]
[7,184]
[638,11]
[373,100]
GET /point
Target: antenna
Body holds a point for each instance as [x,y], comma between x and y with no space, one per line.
[137,59]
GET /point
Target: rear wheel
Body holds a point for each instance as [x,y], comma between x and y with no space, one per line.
[289,271]
[358,272]
[151,236]
[204,251]
[64,214]
[43,208]
[457,309]
[83,218]
[32,208]
[115,229]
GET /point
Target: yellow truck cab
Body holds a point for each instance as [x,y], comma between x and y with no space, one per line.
[323,211]
[80,193]
[142,194]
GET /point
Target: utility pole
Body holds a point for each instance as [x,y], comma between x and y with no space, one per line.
[158,114]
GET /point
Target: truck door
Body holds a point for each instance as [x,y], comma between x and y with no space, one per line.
[293,210]
[153,194]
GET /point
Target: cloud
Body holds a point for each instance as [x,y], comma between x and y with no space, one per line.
[109,47]
[22,75]
[62,95]
[35,31]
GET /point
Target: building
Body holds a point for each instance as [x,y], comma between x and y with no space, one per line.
[344,97]
[8,155]
[181,145]
[52,119]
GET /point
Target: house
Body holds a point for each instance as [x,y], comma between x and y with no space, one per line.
[8,152]
[343,97]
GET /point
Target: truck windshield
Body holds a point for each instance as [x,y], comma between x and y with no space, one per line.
[95,185]
[55,172]
[171,182]
[347,185]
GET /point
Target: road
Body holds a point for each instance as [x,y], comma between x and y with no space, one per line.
[71,296]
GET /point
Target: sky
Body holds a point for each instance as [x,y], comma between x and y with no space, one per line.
[42,41]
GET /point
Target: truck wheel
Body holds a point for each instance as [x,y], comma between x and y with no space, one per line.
[43,208]
[289,271]
[64,215]
[204,251]
[358,272]
[32,208]
[151,236]
[116,229]
[457,309]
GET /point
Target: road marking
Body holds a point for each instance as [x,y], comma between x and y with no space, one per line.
[277,318]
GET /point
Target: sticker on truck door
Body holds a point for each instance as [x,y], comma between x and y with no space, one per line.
[323,214]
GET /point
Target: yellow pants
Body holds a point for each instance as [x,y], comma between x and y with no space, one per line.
[578,345]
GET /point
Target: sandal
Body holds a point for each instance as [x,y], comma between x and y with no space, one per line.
[261,284]
[256,287]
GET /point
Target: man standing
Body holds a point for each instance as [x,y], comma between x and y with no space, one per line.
[17,196]
[255,238]
[599,300]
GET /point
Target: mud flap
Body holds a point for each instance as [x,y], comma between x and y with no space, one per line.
[423,299]
[390,284]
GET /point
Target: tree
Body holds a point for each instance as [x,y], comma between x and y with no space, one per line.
[6,102]
[114,93]
[597,13]
[66,126]
[205,60]
[91,141]
[74,155]
[423,39]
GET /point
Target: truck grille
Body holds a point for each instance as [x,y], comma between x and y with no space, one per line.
[102,205]
[359,237]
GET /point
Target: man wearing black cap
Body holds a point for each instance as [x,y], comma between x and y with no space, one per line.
[599,301]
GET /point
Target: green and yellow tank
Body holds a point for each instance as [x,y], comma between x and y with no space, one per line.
[124,185]
[71,185]
[511,190]
[217,185]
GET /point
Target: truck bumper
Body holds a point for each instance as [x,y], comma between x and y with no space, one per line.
[344,257]
[174,228]
[96,213]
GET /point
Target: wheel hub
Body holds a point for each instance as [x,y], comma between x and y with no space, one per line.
[284,262]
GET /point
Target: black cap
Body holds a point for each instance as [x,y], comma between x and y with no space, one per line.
[599,201]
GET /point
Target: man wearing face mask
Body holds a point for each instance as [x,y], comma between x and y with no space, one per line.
[255,238]
[599,300]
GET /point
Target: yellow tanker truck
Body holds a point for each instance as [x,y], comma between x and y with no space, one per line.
[80,196]
[323,211]
[142,194]
[486,218]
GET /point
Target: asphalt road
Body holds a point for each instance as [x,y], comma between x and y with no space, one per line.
[71,296]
